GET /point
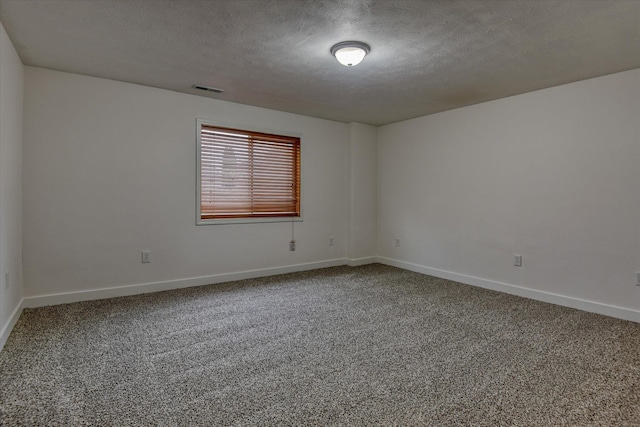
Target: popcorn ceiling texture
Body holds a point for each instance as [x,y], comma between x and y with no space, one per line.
[427,56]
[371,345]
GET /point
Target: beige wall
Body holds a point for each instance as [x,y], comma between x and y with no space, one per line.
[109,171]
[552,175]
[11,89]
[362,236]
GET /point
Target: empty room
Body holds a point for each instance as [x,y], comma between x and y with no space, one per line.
[319,212]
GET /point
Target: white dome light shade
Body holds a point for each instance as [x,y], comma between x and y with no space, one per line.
[350,53]
[350,56]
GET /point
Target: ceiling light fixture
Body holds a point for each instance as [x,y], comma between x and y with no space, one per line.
[350,53]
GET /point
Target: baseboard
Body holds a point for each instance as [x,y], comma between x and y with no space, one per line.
[355,262]
[120,291]
[13,319]
[580,304]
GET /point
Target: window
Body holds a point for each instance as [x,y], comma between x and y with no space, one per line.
[247,175]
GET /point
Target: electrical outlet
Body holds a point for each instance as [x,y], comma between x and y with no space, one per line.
[292,245]
[330,241]
[146,257]
[6,280]
[397,243]
[517,260]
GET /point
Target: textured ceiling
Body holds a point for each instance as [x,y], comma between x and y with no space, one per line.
[426,56]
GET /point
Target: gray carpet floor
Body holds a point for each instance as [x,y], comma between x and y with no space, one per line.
[371,345]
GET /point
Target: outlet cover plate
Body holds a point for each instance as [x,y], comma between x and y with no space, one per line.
[517,260]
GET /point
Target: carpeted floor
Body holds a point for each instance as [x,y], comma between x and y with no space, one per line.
[371,345]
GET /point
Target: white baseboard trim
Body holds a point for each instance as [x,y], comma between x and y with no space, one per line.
[355,262]
[120,291]
[6,331]
[580,304]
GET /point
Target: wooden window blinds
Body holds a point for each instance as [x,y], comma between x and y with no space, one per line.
[246,174]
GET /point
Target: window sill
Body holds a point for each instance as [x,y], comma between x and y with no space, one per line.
[245,220]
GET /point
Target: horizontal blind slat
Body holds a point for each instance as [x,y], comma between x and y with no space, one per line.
[248,174]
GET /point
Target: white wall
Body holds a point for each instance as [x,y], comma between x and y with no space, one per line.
[552,175]
[109,170]
[11,85]
[362,238]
